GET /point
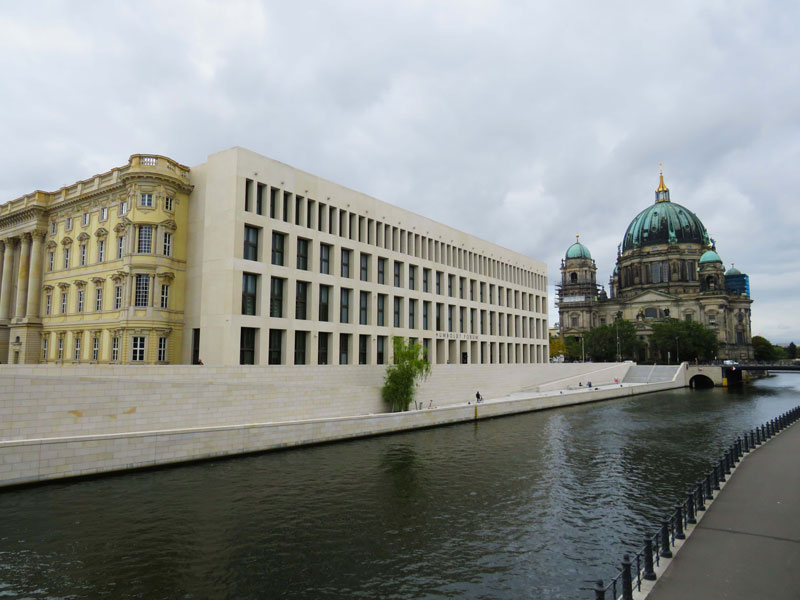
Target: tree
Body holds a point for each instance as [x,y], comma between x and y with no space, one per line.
[572,345]
[791,350]
[402,377]
[763,349]
[557,346]
[601,342]
[687,340]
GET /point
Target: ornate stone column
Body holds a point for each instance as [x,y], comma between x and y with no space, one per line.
[22,275]
[35,279]
[5,290]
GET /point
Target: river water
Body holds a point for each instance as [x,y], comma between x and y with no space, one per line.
[528,506]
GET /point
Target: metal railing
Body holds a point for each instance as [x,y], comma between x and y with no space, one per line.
[673,525]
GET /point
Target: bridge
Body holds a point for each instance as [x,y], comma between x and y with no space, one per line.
[701,376]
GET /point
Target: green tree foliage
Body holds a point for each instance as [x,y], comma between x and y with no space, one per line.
[402,377]
[572,346]
[601,342]
[791,350]
[687,340]
[762,349]
[557,346]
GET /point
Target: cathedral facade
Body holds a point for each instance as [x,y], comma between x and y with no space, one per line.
[667,268]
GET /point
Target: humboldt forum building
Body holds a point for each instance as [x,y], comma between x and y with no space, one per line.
[246,260]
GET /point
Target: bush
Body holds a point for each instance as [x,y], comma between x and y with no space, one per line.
[402,377]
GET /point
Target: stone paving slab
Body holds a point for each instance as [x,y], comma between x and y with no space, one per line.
[747,546]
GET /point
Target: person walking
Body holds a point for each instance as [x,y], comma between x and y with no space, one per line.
[478,397]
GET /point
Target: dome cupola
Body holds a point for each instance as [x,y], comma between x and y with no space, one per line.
[710,256]
[578,250]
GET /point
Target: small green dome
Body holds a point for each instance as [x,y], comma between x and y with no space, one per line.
[733,271]
[709,256]
[578,250]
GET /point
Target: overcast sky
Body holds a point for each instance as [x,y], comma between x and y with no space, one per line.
[521,122]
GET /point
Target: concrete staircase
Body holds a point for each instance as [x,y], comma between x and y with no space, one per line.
[650,374]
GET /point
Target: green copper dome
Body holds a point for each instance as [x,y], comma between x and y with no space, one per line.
[664,222]
[733,271]
[709,256]
[578,250]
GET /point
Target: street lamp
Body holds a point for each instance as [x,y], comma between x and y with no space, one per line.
[677,351]
[619,354]
[583,354]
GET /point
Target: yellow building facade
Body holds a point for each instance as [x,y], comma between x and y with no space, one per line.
[94,272]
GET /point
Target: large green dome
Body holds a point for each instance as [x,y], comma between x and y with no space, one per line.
[710,256]
[578,250]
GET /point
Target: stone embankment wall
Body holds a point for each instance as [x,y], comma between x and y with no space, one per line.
[65,421]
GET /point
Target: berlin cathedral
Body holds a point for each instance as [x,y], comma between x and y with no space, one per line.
[667,268]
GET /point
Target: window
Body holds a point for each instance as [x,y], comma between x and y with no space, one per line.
[48,303]
[381,270]
[363,312]
[123,208]
[247,346]
[95,348]
[249,293]
[277,248]
[115,349]
[381,350]
[438,282]
[142,289]
[103,214]
[137,352]
[450,285]
[168,203]
[302,254]
[251,244]
[69,223]
[167,243]
[53,228]
[344,348]
[324,300]
[276,297]
[80,301]
[77,347]
[363,346]
[101,251]
[412,275]
[51,259]
[63,302]
[345,262]
[146,200]
[398,302]
[66,258]
[83,255]
[324,259]
[44,347]
[85,220]
[450,317]
[364,267]
[381,309]
[120,245]
[300,338]
[322,347]
[301,300]
[98,299]
[398,266]
[426,275]
[164,295]
[117,297]
[275,342]
[438,316]
[412,309]
[60,348]
[344,313]
[162,349]
[145,239]
[425,310]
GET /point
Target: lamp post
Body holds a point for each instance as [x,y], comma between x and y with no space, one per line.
[583,354]
[619,354]
[677,351]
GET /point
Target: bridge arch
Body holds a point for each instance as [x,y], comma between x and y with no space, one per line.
[700,382]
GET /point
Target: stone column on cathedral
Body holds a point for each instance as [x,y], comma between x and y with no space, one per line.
[35,278]
[5,290]
[22,275]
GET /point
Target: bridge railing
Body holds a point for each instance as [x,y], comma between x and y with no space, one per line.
[641,567]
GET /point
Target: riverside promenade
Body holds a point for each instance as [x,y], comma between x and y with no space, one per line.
[748,543]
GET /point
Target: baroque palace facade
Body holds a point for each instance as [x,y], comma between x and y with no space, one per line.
[245,260]
[667,267]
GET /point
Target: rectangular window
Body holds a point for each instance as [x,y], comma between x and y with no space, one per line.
[276,297]
[142,290]
[120,246]
[324,302]
[145,241]
[344,348]
[412,276]
[249,294]
[101,251]
[77,348]
[381,270]
[137,352]
[53,228]
[425,310]
[44,347]
[450,317]
[438,282]
[275,342]
[167,243]
[80,301]
[450,285]
[98,299]
[51,259]
[300,347]
[412,310]
[168,203]
[85,219]
[364,267]
[278,240]
[66,258]
[344,312]
[48,304]
[381,309]
[438,316]
[95,348]
[83,255]
[398,303]
[63,303]
[104,213]
[301,300]
[302,254]
[381,350]
[146,200]
[363,346]
[123,208]
[426,275]
[250,251]
[363,308]
[162,349]
[115,349]
[345,262]
[247,346]
[164,295]
[60,348]
[322,347]
[398,266]
[117,297]
[325,259]
[69,223]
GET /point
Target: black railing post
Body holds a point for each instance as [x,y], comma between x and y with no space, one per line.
[752,440]
[709,493]
[599,590]
[690,507]
[727,462]
[715,469]
[627,581]
[665,551]
[679,535]
[721,468]
[758,436]
[649,572]
[746,447]
[699,491]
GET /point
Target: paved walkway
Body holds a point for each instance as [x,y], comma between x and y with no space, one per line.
[748,543]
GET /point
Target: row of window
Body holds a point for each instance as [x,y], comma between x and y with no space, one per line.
[144,245]
[141,297]
[292,208]
[402,274]
[457,317]
[138,347]
[146,200]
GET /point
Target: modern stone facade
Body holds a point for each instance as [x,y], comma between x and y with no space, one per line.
[258,263]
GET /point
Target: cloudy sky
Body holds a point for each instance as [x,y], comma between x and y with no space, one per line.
[521,122]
